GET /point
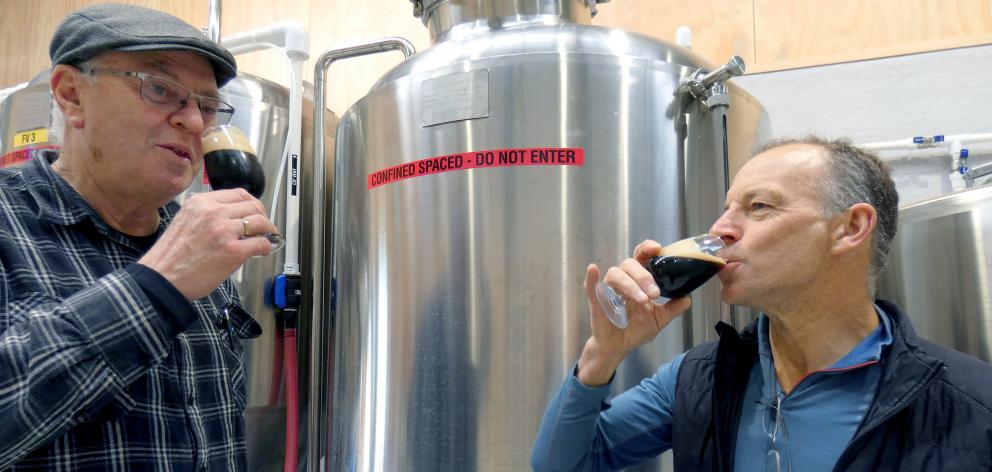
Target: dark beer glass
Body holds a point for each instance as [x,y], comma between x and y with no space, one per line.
[681,268]
[231,162]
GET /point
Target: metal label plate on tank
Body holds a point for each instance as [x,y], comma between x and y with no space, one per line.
[31,111]
[455,97]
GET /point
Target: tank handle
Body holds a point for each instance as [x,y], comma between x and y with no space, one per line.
[314,423]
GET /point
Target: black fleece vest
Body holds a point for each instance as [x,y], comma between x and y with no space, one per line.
[932,412]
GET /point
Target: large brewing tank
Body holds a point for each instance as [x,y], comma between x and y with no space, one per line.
[26,120]
[940,270]
[458,301]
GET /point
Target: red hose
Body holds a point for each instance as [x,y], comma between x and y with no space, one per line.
[292,402]
[276,380]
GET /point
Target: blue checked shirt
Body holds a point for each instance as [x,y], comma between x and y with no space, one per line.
[103,364]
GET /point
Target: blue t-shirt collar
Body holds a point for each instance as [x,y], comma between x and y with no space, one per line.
[867,351]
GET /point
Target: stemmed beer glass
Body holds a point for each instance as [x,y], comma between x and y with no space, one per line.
[681,268]
[231,162]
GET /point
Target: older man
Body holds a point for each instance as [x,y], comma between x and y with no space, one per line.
[119,331]
[827,379]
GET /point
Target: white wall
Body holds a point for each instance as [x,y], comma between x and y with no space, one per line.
[945,92]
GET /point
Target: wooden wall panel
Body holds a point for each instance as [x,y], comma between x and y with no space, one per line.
[768,34]
[27,27]
[239,16]
[720,28]
[796,33]
[335,24]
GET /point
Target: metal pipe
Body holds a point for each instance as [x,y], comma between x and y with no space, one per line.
[317,399]
[733,68]
[702,85]
[287,36]
[923,142]
[976,173]
[213,21]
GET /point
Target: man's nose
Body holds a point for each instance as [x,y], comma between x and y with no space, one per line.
[188,117]
[726,229]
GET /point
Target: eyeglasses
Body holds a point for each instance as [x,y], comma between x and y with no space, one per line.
[774,425]
[171,97]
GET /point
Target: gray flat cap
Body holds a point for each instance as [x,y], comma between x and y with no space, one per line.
[118,27]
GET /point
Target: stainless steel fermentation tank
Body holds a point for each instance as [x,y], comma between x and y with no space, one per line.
[940,270]
[457,305]
[26,120]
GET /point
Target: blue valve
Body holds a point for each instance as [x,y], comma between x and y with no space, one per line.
[928,140]
[279,289]
[287,291]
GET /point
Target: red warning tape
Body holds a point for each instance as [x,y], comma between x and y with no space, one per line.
[21,155]
[476,160]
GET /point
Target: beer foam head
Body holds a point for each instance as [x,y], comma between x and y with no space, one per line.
[226,137]
[689,248]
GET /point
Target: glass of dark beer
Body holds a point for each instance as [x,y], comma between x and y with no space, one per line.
[681,268]
[231,162]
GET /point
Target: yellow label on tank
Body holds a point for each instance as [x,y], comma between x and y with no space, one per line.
[29,137]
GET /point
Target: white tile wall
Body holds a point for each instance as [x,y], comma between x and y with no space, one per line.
[945,92]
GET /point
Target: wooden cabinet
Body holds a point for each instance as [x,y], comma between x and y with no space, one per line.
[784,34]
[796,33]
[720,28]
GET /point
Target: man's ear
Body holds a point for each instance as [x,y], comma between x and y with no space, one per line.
[853,228]
[66,81]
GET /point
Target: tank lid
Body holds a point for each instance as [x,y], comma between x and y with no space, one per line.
[441,15]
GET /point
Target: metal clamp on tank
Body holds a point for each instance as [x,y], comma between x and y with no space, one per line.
[978,172]
[709,87]
[592,5]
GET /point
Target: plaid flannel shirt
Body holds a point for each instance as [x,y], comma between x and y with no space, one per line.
[99,370]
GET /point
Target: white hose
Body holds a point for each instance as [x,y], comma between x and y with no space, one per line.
[277,190]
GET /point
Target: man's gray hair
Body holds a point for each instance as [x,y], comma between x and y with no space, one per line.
[856,176]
